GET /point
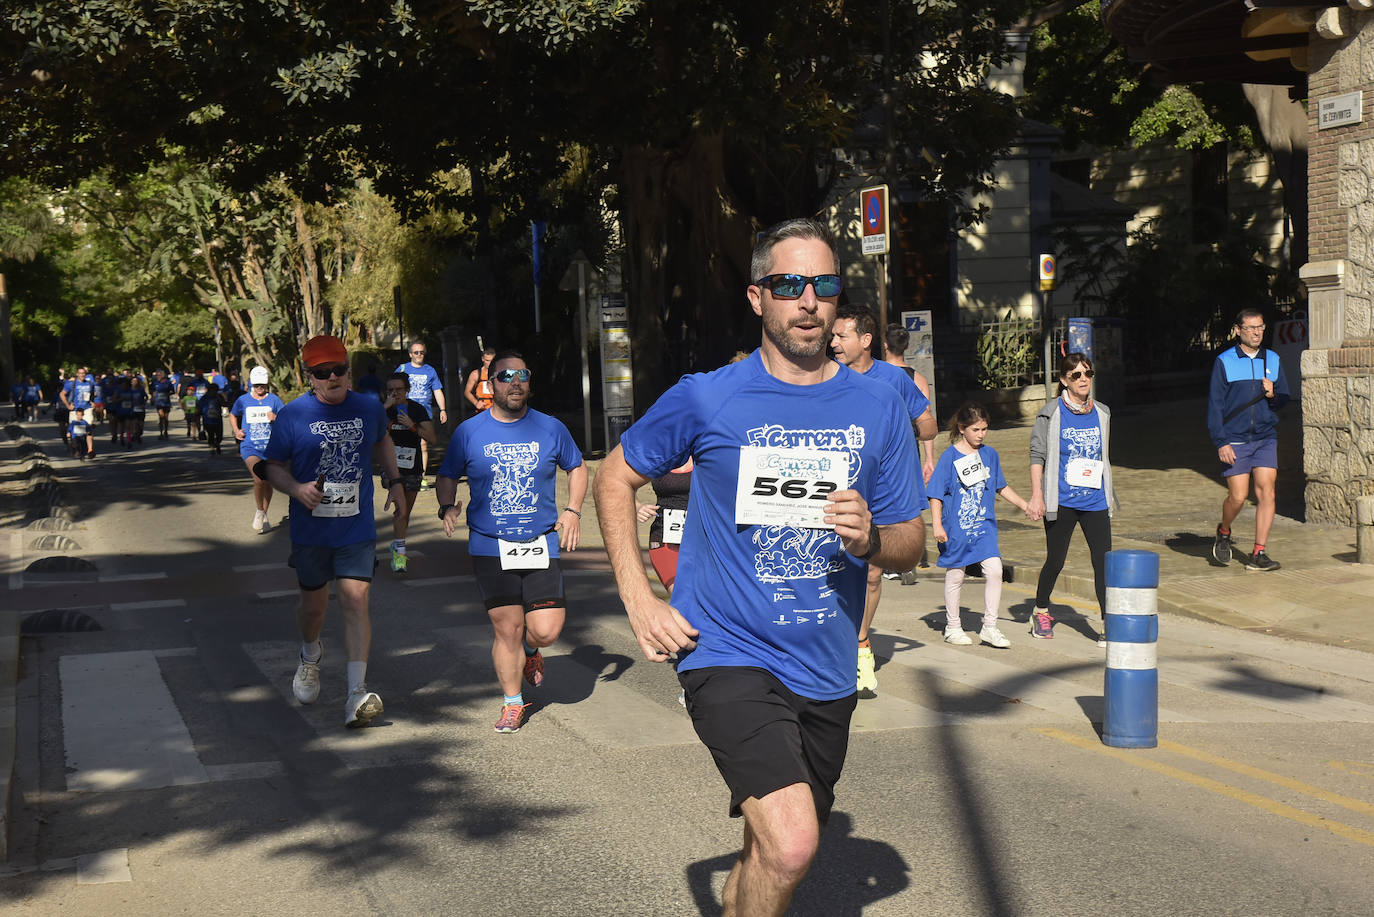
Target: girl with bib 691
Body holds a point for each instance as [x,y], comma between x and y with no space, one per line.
[966,482]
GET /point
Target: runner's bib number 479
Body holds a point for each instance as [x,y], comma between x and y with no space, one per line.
[524,555]
[788,486]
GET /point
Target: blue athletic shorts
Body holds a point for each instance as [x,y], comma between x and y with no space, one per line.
[1262,454]
[317,564]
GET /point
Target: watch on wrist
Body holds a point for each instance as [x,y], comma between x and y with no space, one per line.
[875,542]
[443,510]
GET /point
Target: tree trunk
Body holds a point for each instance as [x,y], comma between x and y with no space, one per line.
[8,371]
[688,244]
[308,275]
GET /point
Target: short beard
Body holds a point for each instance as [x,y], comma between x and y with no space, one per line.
[778,332]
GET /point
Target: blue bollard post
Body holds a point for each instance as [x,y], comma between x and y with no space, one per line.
[1131,685]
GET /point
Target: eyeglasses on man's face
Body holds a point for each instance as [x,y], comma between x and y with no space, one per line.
[1252,328]
[417,353]
[513,375]
[324,372]
[791,286]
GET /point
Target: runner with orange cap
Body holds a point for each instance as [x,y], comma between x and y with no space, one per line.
[320,453]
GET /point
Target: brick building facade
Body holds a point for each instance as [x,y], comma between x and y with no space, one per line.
[1338,368]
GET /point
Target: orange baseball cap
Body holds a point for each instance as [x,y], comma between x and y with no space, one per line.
[322,349]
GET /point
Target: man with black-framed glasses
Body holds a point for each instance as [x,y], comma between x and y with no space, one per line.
[1247,390]
[427,389]
[320,454]
[803,473]
[511,454]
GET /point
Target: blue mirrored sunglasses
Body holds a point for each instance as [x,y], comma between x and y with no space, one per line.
[513,375]
[791,286]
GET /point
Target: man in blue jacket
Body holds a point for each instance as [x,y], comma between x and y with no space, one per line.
[1248,389]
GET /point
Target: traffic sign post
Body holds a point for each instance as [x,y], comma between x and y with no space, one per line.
[873,222]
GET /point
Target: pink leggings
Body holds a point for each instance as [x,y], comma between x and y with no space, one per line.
[992,592]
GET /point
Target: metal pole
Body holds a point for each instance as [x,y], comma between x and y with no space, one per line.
[882,293]
[1047,328]
[582,348]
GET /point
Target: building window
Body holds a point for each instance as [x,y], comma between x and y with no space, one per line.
[924,235]
[1210,199]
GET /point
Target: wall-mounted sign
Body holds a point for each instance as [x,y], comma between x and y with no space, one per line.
[1338,111]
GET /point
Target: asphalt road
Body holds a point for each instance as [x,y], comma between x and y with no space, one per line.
[164,767]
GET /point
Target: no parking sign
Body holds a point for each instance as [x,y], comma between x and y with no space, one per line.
[873,219]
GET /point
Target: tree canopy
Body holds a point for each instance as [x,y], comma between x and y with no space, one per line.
[661,135]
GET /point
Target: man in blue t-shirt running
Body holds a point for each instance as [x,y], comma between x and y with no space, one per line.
[427,389]
[320,453]
[510,455]
[852,342]
[803,473]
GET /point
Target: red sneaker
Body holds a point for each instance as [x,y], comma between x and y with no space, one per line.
[534,669]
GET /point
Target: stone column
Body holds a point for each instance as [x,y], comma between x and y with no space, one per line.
[1338,369]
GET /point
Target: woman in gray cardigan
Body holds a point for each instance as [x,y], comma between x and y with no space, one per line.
[1071,483]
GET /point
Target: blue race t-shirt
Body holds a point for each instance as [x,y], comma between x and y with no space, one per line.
[1080,438]
[512,471]
[335,440]
[779,597]
[162,393]
[211,410]
[80,393]
[253,416]
[913,398]
[968,511]
[424,382]
[123,401]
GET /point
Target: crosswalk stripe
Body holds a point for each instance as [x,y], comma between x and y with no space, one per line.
[137,741]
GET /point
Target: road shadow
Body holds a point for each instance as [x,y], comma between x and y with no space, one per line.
[1245,680]
[849,874]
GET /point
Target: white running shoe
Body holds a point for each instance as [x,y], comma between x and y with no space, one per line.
[993,637]
[259,521]
[306,684]
[957,636]
[362,705]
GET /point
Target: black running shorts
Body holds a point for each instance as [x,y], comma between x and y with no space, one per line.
[533,589]
[763,737]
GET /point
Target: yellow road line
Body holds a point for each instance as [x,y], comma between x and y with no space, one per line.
[1134,757]
[1354,805]
[1358,768]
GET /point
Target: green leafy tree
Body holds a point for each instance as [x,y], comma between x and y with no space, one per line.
[25,225]
[701,121]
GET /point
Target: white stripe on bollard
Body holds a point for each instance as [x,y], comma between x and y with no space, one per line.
[1122,600]
[1134,656]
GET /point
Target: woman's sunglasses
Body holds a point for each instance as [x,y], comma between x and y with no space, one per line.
[513,375]
[791,286]
[1080,373]
[324,372]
